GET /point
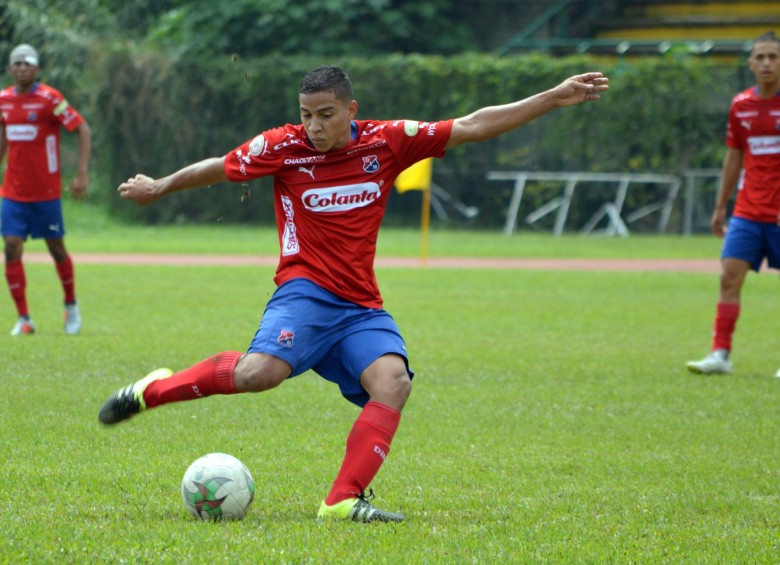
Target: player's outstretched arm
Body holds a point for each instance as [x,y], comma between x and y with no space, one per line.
[144,190]
[493,121]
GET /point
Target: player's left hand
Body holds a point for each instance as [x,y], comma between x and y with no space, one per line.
[580,88]
[78,187]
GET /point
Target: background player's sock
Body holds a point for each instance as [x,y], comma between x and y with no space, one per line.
[65,271]
[17,282]
[725,324]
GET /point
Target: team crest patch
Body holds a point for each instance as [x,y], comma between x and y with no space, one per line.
[286,338]
[370,164]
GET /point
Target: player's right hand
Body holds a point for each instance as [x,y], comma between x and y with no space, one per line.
[140,189]
[718,222]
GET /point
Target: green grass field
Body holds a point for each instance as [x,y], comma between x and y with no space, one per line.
[552,419]
[90,231]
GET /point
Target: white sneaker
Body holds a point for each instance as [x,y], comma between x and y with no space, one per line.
[24,326]
[717,362]
[72,319]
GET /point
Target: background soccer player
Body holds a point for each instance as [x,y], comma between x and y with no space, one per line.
[32,114]
[332,177]
[753,141]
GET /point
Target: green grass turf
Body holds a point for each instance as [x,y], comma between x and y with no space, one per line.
[90,231]
[552,420]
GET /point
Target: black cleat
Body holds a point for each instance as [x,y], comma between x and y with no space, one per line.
[129,401]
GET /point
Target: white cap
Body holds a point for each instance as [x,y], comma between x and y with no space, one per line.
[24,54]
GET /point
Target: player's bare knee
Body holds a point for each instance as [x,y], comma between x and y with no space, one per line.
[12,248]
[730,284]
[397,386]
[403,386]
[390,387]
[257,372]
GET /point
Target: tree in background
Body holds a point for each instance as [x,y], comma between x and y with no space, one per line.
[325,27]
[64,29]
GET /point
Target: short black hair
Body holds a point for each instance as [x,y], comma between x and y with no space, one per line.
[764,37]
[328,78]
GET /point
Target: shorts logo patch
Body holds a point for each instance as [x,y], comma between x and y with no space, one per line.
[286,338]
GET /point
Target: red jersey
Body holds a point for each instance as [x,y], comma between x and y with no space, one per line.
[32,129]
[754,129]
[329,206]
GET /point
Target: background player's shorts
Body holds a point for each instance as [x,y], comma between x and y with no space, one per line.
[311,328]
[34,219]
[752,241]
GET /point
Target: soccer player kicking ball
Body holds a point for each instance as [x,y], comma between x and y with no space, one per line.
[332,177]
[753,141]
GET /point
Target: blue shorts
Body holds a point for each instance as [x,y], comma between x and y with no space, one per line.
[35,219]
[752,242]
[311,328]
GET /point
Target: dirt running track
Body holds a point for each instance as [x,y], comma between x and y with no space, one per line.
[671,265]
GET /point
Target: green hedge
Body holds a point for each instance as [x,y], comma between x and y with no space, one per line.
[154,115]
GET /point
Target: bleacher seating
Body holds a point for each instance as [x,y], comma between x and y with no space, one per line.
[641,27]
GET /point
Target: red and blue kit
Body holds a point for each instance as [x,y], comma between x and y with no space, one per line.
[754,129]
[32,124]
[329,206]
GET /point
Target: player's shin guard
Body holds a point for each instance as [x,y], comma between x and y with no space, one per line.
[368,444]
[211,376]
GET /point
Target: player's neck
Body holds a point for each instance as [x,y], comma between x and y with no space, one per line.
[768,89]
[25,88]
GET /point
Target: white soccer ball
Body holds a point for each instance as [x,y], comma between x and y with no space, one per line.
[217,486]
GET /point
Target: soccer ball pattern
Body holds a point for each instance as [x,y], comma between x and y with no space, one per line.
[217,486]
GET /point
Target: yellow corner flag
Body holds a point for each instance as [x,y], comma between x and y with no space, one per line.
[416,177]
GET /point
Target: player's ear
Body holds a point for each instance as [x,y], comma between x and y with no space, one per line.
[352,109]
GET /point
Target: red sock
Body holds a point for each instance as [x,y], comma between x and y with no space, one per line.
[65,271]
[368,444]
[14,274]
[725,324]
[211,376]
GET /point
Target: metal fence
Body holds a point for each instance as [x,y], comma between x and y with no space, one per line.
[612,212]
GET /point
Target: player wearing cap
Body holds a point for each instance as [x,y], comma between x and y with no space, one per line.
[332,177]
[752,161]
[32,115]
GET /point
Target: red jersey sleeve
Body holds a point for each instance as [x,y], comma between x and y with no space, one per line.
[414,141]
[259,156]
[735,138]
